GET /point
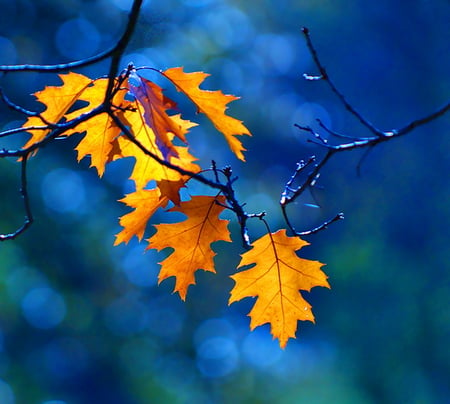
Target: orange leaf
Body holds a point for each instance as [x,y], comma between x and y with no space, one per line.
[101,131]
[212,103]
[275,280]
[191,240]
[58,100]
[155,104]
[145,203]
[171,189]
[145,168]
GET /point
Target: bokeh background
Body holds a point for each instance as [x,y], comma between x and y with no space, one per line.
[82,321]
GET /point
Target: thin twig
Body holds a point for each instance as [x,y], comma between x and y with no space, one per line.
[11,105]
[324,76]
[26,201]
[426,119]
[120,45]
[289,194]
[323,226]
[285,199]
[288,187]
[55,133]
[13,131]
[334,133]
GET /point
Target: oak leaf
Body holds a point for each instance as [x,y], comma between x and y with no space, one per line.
[155,105]
[191,240]
[212,103]
[101,130]
[171,189]
[146,168]
[275,279]
[145,203]
[60,102]
[57,100]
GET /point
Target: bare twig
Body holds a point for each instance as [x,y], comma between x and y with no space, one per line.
[11,105]
[117,49]
[419,122]
[290,194]
[321,227]
[55,133]
[26,201]
[120,47]
[324,76]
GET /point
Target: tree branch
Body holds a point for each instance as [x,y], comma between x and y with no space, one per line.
[324,76]
[290,194]
[116,50]
[26,201]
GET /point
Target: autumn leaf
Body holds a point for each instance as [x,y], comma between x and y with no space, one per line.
[57,100]
[155,105]
[275,279]
[101,130]
[146,168]
[191,240]
[171,189]
[212,103]
[145,203]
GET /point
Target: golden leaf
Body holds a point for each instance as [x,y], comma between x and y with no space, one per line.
[191,240]
[275,279]
[212,103]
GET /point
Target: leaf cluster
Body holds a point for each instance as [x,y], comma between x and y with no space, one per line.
[126,115]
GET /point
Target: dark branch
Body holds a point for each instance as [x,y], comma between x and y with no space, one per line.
[289,193]
[116,50]
[324,76]
[26,201]
[11,105]
[321,227]
[60,129]
[121,46]
[419,122]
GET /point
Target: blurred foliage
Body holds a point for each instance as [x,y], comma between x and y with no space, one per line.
[83,322]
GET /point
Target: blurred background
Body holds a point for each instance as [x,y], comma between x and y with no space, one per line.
[82,321]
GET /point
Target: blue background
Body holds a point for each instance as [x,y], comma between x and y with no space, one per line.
[82,321]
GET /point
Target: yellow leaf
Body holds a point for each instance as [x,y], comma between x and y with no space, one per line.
[212,103]
[191,240]
[58,100]
[275,279]
[171,189]
[146,168]
[155,105]
[101,131]
[145,203]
